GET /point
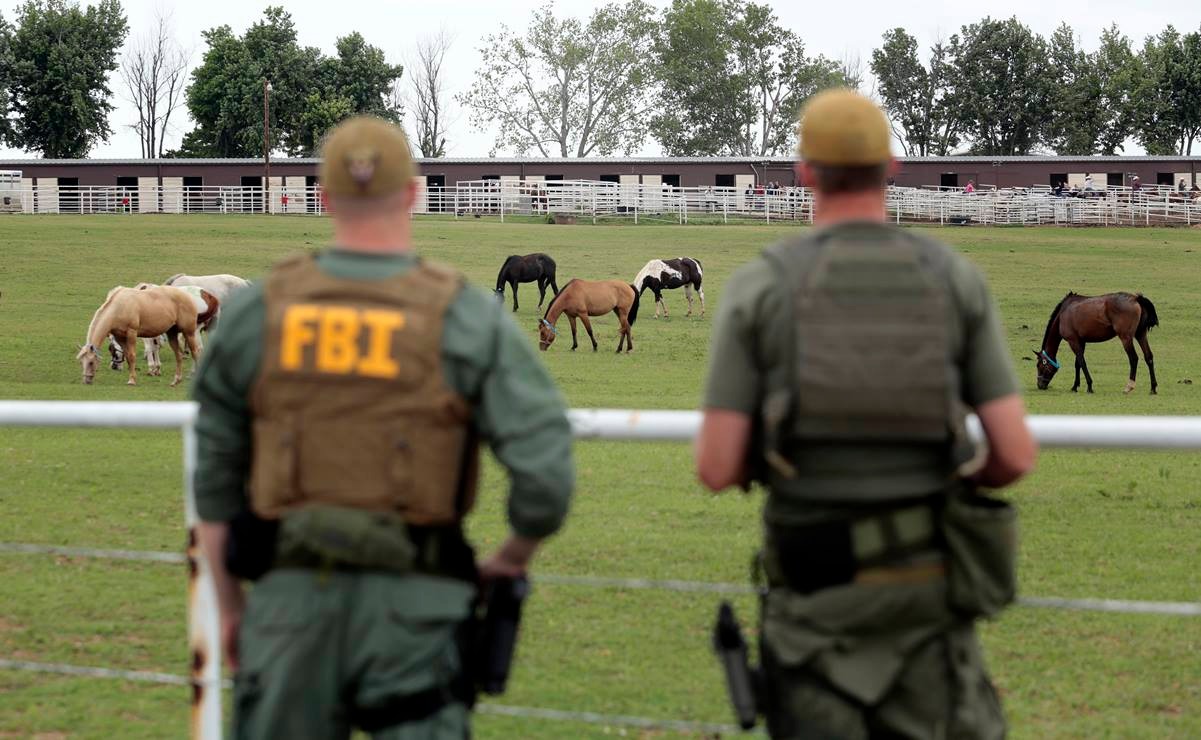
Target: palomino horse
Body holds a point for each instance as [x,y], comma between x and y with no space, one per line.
[537,267]
[1081,320]
[580,299]
[661,275]
[221,286]
[128,313]
[207,309]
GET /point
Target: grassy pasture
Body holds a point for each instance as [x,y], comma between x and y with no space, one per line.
[1115,524]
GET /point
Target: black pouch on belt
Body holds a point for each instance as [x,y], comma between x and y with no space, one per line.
[250,547]
[981,539]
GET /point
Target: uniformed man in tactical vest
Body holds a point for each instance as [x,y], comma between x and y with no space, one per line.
[340,408]
[843,363]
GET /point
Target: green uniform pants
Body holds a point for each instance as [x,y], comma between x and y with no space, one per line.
[942,691]
[314,648]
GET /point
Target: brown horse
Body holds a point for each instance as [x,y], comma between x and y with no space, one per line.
[1081,320]
[580,299]
[128,314]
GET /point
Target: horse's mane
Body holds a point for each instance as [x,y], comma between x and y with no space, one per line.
[1055,313]
[551,305]
[92,324]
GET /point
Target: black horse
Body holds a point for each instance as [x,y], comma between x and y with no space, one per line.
[661,275]
[537,267]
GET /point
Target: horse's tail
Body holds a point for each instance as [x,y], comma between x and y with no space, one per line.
[633,314]
[1149,320]
[171,280]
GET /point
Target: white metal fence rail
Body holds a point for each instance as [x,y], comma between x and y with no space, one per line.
[587,199]
[1137,432]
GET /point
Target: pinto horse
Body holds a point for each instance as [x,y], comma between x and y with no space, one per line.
[1081,320]
[580,299]
[661,275]
[537,267]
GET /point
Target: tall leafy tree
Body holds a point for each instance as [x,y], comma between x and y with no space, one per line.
[703,100]
[61,57]
[1168,94]
[310,92]
[6,62]
[733,79]
[1116,67]
[1003,86]
[566,87]
[916,98]
[1077,120]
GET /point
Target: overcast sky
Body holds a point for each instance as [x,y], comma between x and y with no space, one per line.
[834,29]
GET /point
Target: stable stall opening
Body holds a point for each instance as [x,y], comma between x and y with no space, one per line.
[949,180]
[435,198]
[127,198]
[724,181]
[193,198]
[671,180]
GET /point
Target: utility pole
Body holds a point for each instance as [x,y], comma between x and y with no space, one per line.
[266,145]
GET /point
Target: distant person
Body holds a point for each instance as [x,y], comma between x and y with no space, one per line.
[971,187]
[1182,186]
[1088,183]
[1136,185]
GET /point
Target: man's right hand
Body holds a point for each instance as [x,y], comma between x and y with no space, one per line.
[511,560]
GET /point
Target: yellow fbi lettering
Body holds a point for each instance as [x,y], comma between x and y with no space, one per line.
[334,333]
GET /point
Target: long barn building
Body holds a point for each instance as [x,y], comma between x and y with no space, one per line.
[735,172]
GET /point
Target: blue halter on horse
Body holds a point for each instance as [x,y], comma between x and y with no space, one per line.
[1050,359]
[550,326]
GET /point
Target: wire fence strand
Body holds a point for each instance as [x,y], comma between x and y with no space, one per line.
[1118,606]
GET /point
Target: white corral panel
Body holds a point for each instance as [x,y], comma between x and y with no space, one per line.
[172,195]
[147,195]
[47,195]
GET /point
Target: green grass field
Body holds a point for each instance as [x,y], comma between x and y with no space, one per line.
[1112,524]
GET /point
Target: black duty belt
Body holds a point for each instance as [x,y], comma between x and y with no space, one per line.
[879,547]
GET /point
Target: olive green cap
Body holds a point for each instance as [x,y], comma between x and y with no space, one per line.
[841,127]
[365,157]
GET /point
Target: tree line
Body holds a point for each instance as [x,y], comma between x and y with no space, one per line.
[699,78]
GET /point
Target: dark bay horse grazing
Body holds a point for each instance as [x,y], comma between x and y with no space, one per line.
[537,267]
[661,275]
[1080,320]
[580,299]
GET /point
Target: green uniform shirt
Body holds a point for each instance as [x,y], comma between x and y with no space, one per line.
[752,330]
[518,409]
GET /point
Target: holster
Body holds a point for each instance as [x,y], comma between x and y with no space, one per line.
[490,636]
[742,681]
[250,546]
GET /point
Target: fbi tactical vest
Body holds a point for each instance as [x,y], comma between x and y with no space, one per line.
[869,364]
[351,407]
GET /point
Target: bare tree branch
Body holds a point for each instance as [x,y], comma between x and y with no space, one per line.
[429,101]
[155,73]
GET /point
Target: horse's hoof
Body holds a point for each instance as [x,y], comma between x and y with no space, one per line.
[1154,392]
[1090,390]
[1074,390]
[131,382]
[1129,386]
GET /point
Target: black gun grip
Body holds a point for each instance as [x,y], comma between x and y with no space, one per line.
[732,652]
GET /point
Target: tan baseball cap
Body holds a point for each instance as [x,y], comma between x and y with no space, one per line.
[841,127]
[365,157]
